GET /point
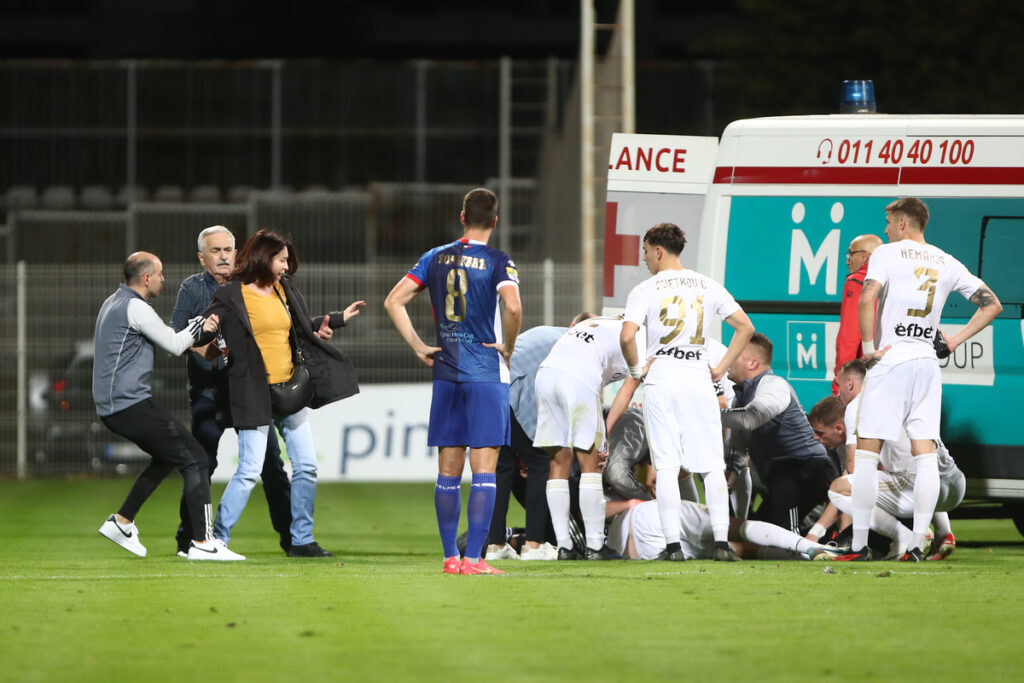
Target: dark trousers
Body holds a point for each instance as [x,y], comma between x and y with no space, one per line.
[531,491]
[794,488]
[276,486]
[154,430]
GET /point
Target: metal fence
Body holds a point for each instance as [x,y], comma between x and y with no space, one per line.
[60,431]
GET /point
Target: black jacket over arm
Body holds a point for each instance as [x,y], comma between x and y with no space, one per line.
[332,373]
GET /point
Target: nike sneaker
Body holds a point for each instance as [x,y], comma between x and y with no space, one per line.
[125,535]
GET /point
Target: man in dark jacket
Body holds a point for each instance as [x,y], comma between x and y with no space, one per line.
[766,419]
[207,382]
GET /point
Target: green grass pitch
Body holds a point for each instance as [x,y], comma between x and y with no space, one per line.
[75,607]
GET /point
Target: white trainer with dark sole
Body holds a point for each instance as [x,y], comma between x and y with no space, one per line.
[212,550]
[126,536]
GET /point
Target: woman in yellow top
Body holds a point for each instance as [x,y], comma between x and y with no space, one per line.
[263,316]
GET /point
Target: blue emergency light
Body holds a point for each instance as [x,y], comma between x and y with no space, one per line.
[857,97]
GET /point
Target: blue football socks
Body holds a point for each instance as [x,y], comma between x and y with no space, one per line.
[480,508]
[448,504]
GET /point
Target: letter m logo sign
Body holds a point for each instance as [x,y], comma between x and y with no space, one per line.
[810,349]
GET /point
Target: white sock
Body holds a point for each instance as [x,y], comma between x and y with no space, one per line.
[557,492]
[763,533]
[865,493]
[667,488]
[592,508]
[688,490]
[716,495]
[742,487]
[926,494]
[942,526]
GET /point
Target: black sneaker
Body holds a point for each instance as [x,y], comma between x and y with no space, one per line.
[568,554]
[309,550]
[725,553]
[912,555]
[674,556]
[605,553]
[862,555]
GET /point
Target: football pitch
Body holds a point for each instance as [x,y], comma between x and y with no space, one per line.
[75,607]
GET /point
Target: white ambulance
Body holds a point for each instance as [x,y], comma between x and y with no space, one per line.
[771,208]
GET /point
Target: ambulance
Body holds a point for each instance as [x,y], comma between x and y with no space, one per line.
[770,209]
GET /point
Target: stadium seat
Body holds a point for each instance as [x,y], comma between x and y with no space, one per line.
[58,197]
[21,197]
[129,194]
[205,194]
[169,193]
[96,197]
[239,194]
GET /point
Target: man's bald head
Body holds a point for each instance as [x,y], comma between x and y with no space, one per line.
[860,251]
[144,273]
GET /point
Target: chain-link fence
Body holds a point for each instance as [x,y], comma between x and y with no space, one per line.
[62,435]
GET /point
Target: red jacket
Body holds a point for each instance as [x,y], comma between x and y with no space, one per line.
[848,344]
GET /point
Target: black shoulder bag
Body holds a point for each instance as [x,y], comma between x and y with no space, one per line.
[288,398]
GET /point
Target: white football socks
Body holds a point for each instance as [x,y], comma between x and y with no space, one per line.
[592,508]
[557,492]
[667,488]
[716,495]
[865,493]
[765,534]
[926,494]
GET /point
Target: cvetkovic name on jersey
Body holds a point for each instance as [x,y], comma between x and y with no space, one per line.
[474,262]
[911,254]
[913,331]
[680,282]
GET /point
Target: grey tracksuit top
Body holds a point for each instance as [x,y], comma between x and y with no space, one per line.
[126,329]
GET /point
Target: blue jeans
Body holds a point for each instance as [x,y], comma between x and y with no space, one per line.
[252,445]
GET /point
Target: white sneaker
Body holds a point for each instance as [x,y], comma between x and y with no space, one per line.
[126,536]
[182,553]
[546,551]
[504,552]
[212,550]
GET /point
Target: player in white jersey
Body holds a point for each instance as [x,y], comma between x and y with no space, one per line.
[636,532]
[681,412]
[910,280]
[834,425]
[569,419]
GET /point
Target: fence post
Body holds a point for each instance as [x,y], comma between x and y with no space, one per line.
[22,373]
[549,292]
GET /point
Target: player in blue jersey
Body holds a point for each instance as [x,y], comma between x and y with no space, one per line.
[469,407]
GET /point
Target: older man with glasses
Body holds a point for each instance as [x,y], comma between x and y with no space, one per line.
[848,338]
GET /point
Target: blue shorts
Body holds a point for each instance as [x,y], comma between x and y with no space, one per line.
[473,414]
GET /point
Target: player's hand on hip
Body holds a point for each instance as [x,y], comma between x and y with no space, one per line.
[500,348]
[426,355]
[872,358]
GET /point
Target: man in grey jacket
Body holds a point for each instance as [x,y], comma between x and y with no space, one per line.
[766,419]
[127,328]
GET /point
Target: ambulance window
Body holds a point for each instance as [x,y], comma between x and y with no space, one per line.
[1002,243]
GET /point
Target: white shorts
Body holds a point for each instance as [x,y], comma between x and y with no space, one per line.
[896,493]
[905,396]
[568,412]
[684,427]
[696,537]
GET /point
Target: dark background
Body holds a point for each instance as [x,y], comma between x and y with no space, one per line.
[789,55]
